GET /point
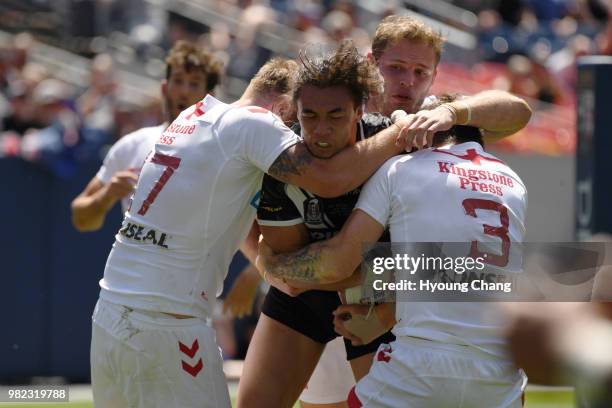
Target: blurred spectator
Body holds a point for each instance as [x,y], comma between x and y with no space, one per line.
[63,140]
[563,62]
[306,14]
[510,11]
[96,105]
[246,56]
[20,116]
[22,43]
[546,10]
[529,79]
[338,25]
[604,39]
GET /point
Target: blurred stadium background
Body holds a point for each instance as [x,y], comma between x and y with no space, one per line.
[94,67]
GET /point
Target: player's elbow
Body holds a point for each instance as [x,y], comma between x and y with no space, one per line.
[523,112]
[82,222]
[335,274]
[85,225]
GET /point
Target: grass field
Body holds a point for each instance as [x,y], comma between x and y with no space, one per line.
[536,398]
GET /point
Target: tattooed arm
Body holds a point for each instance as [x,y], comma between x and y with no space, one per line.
[343,172]
[325,261]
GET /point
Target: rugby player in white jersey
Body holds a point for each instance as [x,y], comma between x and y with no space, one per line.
[407,53]
[191,73]
[190,211]
[446,354]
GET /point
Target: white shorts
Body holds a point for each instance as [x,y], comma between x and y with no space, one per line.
[332,378]
[148,359]
[419,373]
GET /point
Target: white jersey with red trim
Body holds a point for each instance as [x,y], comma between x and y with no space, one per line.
[450,194]
[191,208]
[129,153]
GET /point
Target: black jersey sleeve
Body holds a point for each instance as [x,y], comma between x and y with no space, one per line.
[374,123]
[275,207]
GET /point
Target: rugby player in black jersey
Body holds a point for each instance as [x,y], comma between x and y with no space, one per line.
[292,331]
[330,97]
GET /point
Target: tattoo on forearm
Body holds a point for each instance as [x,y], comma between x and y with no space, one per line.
[290,162]
[303,265]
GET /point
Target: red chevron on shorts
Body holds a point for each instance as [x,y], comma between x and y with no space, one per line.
[193,370]
[191,352]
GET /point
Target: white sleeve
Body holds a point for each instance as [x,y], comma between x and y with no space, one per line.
[375,197]
[117,159]
[263,136]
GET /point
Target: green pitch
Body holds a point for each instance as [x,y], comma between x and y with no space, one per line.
[535,399]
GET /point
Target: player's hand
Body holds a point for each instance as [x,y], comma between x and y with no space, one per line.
[344,313]
[121,184]
[535,335]
[263,252]
[239,300]
[418,129]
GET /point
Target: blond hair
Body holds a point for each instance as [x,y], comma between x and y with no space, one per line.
[395,28]
[276,76]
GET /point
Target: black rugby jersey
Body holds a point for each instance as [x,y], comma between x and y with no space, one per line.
[285,205]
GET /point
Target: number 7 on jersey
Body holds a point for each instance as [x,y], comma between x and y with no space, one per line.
[172,163]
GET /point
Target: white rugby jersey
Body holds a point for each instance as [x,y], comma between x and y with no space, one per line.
[449,194]
[192,208]
[129,153]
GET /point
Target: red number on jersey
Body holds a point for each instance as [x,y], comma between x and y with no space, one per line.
[471,205]
[171,164]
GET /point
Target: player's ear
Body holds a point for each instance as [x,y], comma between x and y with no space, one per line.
[371,58]
[282,106]
[360,110]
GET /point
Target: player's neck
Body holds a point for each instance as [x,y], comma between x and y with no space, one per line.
[252,98]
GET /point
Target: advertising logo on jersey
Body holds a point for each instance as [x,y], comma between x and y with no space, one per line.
[312,211]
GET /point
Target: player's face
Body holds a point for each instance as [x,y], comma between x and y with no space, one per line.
[408,68]
[328,117]
[182,90]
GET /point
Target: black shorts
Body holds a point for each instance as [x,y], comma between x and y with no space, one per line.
[311,315]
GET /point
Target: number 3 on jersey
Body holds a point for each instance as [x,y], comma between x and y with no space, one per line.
[471,205]
[172,163]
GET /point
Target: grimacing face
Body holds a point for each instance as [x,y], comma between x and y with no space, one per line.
[182,90]
[408,69]
[328,117]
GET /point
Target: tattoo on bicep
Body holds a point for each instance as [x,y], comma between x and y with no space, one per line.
[290,162]
[303,265]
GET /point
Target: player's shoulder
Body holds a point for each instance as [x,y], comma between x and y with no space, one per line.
[149,132]
[143,135]
[249,116]
[272,184]
[391,166]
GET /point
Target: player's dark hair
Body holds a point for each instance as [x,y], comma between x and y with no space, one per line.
[344,67]
[458,133]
